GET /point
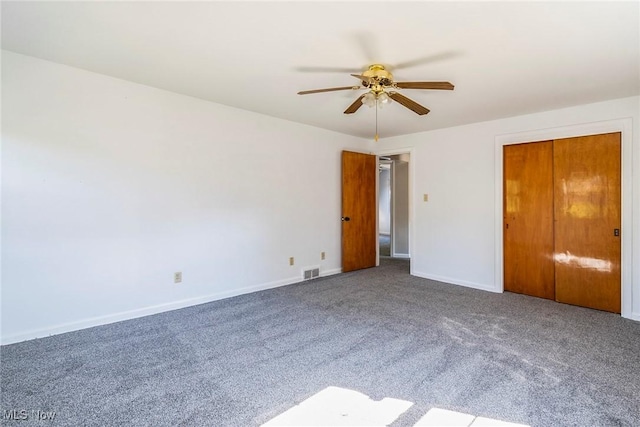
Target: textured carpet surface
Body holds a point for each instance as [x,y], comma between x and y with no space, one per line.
[381,332]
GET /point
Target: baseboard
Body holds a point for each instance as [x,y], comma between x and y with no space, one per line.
[453,281]
[635,316]
[404,256]
[147,311]
[330,272]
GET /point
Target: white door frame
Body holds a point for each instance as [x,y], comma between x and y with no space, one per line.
[410,152]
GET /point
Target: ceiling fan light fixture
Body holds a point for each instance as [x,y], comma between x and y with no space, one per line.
[383,98]
[369,99]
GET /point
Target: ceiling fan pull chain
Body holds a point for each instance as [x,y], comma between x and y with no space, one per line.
[376,137]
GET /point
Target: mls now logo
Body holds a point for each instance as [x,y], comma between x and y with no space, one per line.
[15,414]
[23,415]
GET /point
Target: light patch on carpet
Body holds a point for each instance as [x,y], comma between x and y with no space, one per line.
[335,406]
[437,417]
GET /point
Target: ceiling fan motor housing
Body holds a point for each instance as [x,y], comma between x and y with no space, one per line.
[378,78]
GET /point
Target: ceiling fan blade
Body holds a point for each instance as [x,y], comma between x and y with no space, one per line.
[367,42]
[331,89]
[361,77]
[324,69]
[426,60]
[425,85]
[410,104]
[354,107]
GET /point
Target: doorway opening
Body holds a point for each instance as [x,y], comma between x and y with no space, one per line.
[393,206]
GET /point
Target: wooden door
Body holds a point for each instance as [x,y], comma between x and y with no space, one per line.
[587,215]
[359,233]
[528,219]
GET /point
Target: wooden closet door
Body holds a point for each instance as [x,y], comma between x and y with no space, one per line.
[587,213]
[528,219]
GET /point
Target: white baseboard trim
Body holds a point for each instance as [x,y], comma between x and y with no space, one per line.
[330,272]
[635,316]
[453,281]
[398,255]
[147,311]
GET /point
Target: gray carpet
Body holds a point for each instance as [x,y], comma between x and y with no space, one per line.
[381,332]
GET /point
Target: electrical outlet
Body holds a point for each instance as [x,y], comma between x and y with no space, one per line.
[321,255]
[177,277]
[290,260]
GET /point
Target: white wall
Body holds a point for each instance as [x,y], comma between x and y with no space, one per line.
[109,187]
[454,233]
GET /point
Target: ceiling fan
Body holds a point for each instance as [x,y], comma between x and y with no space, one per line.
[382,89]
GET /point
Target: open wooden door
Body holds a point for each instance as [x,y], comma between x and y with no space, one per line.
[359,233]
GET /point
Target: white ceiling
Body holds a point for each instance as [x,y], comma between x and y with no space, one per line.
[505,58]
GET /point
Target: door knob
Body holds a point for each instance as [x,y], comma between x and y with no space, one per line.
[346,218]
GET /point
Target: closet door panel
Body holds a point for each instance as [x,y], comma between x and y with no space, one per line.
[587,215]
[528,219]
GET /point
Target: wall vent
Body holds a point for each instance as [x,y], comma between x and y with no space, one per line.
[311,273]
